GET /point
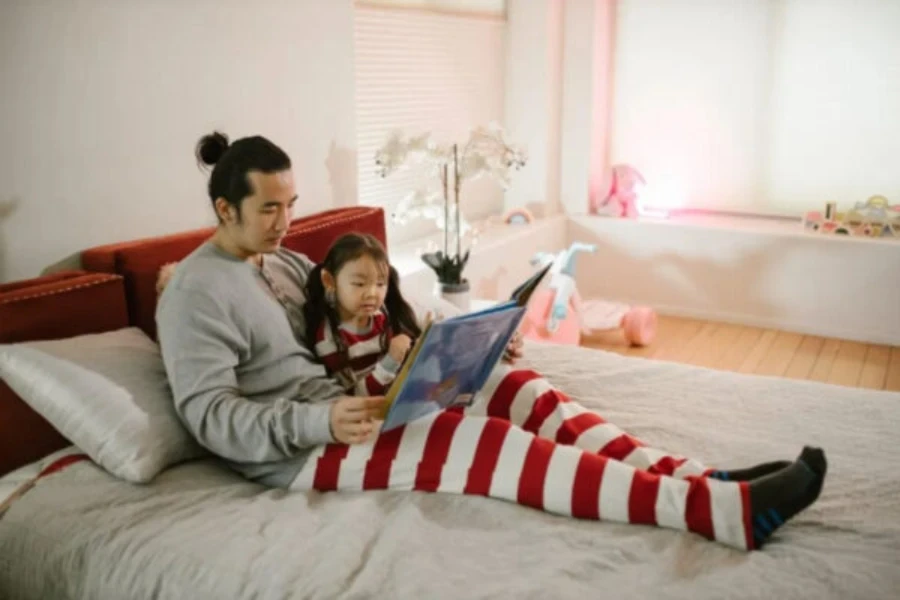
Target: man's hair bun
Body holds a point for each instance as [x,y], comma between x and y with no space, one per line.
[211,147]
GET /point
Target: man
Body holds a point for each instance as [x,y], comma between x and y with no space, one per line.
[244,383]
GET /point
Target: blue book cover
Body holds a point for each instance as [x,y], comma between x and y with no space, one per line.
[452,359]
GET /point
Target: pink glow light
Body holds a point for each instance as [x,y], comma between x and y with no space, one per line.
[659,196]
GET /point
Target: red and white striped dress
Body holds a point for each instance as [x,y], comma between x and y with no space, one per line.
[526,442]
[369,370]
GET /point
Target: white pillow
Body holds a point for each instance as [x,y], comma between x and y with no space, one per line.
[108,394]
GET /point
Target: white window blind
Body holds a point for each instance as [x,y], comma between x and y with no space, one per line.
[760,106]
[420,71]
[484,7]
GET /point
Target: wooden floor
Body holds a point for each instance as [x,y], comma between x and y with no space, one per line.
[765,352]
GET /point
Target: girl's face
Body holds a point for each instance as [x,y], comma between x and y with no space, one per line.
[361,287]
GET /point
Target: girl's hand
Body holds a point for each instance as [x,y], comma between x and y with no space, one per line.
[514,351]
[354,418]
[399,347]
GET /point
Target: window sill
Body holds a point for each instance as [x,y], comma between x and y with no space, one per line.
[738,225]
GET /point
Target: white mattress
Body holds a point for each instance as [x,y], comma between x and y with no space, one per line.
[14,480]
[199,531]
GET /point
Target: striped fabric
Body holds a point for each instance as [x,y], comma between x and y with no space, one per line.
[366,370]
[525,442]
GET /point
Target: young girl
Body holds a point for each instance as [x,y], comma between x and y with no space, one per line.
[357,322]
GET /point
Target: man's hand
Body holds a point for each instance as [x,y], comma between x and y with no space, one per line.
[514,351]
[354,418]
[399,347]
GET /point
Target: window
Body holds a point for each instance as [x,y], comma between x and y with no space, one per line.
[760,106]
[421,71]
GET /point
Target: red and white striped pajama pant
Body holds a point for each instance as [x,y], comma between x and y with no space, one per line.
[526,442]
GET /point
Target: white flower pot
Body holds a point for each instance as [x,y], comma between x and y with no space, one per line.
[457,294]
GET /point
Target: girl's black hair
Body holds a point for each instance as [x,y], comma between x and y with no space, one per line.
[232,162]
[349,247]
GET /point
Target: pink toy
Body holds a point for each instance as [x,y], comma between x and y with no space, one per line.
[618,194]
[558,315]
[638,323]
[534,323]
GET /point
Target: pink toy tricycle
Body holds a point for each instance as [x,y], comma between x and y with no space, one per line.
[557,314]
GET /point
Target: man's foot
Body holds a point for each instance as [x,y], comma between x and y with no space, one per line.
[751,473]
[777,497]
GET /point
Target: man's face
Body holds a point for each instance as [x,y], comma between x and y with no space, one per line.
[265,214]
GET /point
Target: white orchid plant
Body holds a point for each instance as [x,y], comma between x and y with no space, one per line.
[486,153]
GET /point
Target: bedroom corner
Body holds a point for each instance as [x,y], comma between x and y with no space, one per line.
[449,298]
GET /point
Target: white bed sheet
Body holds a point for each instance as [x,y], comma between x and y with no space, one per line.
[199,531]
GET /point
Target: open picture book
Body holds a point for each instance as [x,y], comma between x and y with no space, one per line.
[450,362]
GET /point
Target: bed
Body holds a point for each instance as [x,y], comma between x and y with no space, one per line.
[199,531]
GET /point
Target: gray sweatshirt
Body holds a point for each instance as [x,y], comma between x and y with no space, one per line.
[243,384]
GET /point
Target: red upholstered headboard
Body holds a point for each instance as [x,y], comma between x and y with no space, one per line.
[139,261]
[57,306]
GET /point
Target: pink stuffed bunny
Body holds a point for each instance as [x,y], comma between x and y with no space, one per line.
[618,194]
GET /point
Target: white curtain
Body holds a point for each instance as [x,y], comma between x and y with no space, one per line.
[486,7]
[759,106]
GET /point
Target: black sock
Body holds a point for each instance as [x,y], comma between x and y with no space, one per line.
[779,496]
[750,473]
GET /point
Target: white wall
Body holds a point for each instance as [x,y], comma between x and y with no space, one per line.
[587,76]
[102,103]
[532,112]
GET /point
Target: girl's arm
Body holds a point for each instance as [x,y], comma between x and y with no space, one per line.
[377,382]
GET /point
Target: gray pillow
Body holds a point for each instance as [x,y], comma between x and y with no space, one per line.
[108,394]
